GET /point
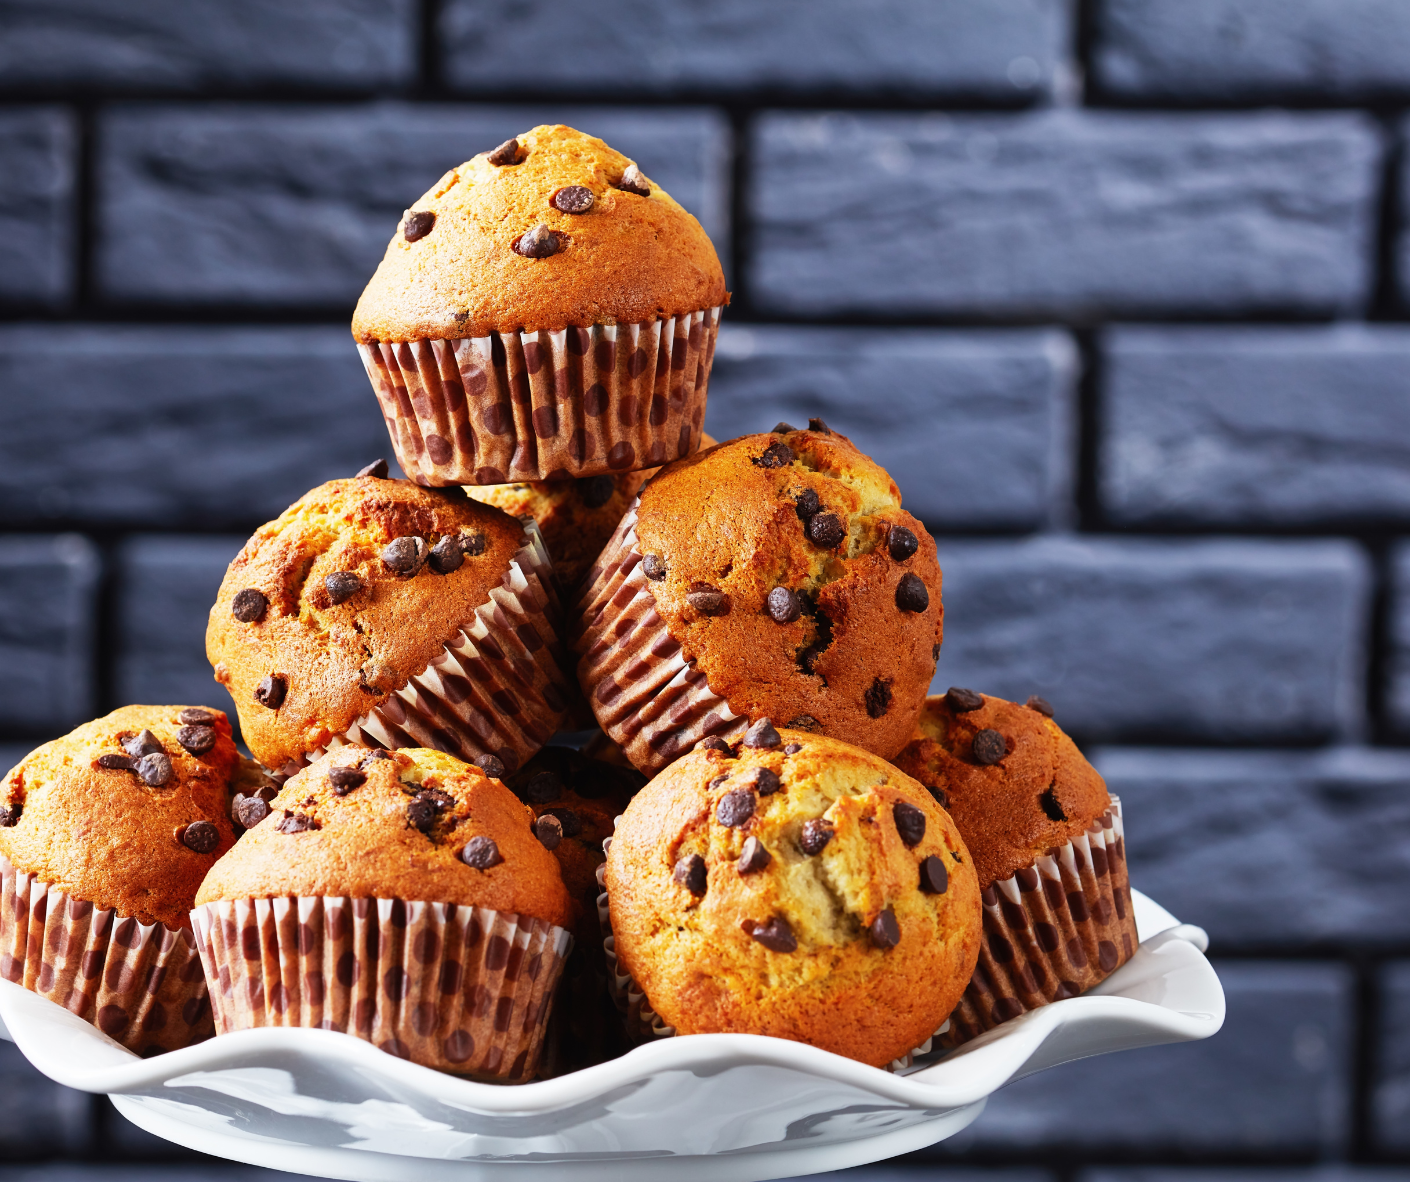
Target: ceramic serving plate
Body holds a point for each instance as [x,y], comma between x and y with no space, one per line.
[728,1107]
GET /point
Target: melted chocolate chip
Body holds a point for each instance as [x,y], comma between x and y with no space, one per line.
[962,701]
[373,756]
[808,503]
[901,543]
[196,739]
[633,182]
[653,566]
[815,836]
[1042,705]
[753,857]
[826,530]
[776,455]
[596,491]
[819,426]
[784,606]
[345,779]
[782,428]
[544,787]
[154,770]
[377,470]
[480,853]
[491,765]
[249,811]
[446,555]
[10,815]
[197,716]
[297,823]
[1051,806]
[472,545]
[735,808]
[405,556]
[885,932]
[549,830]
[708,599]
[571,823]
[988,747]
[418,225]
[934,878]
[142,744]
[910,822]
[766,782]
[200,836]
[341,585]
[776,935]
[911,595]
[793,748]
[249,606]
[506,153]
[271,691]
[713,743]
[762,734]
[115,763]
[878,697]
[690,873]
[538,243]
[573,199]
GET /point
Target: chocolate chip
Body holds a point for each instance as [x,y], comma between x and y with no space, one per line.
[142,744]
[571,823]
[819,426]
[766,782]
[506,153]
[342,585]
[735,808]
[804,722]
[200,836]
[270,692]
[377,469]
[480,853]
[962,701]
[405,555]
[775,935]
[447,555]
[885,932]
[988,747]
[544,787]
[297,823]
[782,428]
[911,595]
[690,873]
[196,739]
[753,857]
[472,545]
[653,566]
[491,765]
[538,243]
[878,697]
[197,716]
[941,797]
[910,822]
[815,836]
[10,814]
[249,606]
[549,830]
[421,813]
[762,734]
[713,743]
[783,605]
[373,756]
[776,455]
[596,491]
[1051,806]
[1042,705]
[633,182]
[793,748]
[708,599]
[901,543]
[418,225]
[115,763]
[345,779]
[934,878]
[808,503]
[573,199]
[826,530]
[154,770]
[249,811]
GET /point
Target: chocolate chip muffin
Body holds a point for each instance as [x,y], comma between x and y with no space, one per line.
[398,896]
[105,836]
[1047,844]
[373,611]
[543,312]
[774,575]
[797,887]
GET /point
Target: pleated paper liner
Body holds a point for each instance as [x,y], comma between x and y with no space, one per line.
[1052,931]
[140,984]
[545,405]
[462,989]
[647,697]
[498,688]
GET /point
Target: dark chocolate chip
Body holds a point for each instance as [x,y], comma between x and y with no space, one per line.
[377,469]
[570,821]
[544,787]
[776,935]
[962,701]
[249,811]
[901,543]
[653,566]
[690,873]
[549,830]
[819,426]
[934,878]
[808,503]
[942,798]
[596,491]
[472,545]
[418,225]
[762,734]
[154,770]
[782,428]
[708,599]
[988,747]
[249,605]
[270,692]
[793,748]
[735,808]
[421,813]
[538,243]
[345,779]
[145,743]
[766,782]
[815,836]
[826,530]
[447,555]
[885,932]
[197,716]
[1042,705]
[753,857]
[911,595]
[776,455]
[573,199]
[480,853]
[341,585]
[878,697]
[506,153]
[633,182]
[713,743]
[196,739]
[804,722]
[297,823]
[491,765]
[910,822]
[784,605]
[373,756]
[115,763]
[405,555]
[10,815]
[200,836]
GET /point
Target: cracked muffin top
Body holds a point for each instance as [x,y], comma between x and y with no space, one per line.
[790,575]
[341,600]
[129,811]
[550,229]
[1014,783]
[800,888]
[412,824]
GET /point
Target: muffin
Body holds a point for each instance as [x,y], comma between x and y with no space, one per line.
[105,836]
[544,311]
[401,897]
[379,613]
[774,575]
[1046,839]
[800,888]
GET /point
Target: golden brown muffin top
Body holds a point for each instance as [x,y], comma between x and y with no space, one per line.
[827,936]
[806,517]
[339,625]
[451,270]
[1023,789]
[128,812]
[364,824]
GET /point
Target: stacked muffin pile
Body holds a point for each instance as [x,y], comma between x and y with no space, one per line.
[823,854]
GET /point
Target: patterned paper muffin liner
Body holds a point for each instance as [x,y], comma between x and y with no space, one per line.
[140,984]
[1052,931]
[650,700]
[545,405]
[462,989]
[498,688]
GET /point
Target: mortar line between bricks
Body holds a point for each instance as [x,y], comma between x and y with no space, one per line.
[1379,638]
[85,212]
[1385,302]
[1366,1015]
[741,233]
[428,61]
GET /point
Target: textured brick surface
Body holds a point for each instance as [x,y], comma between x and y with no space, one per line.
[1251,49]
[1253,425]
[1229,640]
[1001,49]
[1062,212]
[41,1119]
[48,612]
[38,159]
[1391,1098]
[295,205]
[1222,839]
[203,428]
[1275,1079]
[975,427]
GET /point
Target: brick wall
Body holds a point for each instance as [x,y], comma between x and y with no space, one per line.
[1117,289]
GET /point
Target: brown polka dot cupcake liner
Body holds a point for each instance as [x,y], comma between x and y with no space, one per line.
[647,697]
[461,989]
[498,688]
[1051,931]
[545,405]
[140,984]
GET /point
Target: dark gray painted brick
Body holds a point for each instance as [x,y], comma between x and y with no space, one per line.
[999,49]
[1062,212]
[1391,1097]
[40,1118]
[975,427]
[1228,426]
[160,44]
[1247,49]
[1223,840]
[206,428]
[38,155]
[295,205]
[1275,1080]
[1227,640]
[48,588]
